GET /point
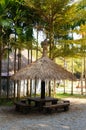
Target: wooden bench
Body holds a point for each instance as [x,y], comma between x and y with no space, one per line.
[22,107]
[59,106]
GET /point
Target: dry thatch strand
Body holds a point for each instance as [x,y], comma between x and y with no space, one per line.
[44,68]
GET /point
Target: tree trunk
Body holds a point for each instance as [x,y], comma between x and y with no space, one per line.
[54,88]
[72,80]
[37,46]
[8,88]
[19,59]
[28,57]
[36,59]
[28,81]
[31,79]
[28,87]
[0,59]
[14,73]
[0,72]
[82,77]
[31,53]
[84,56]
[65,66]
[35,87]
[85,72]
[64,86]
[19,67]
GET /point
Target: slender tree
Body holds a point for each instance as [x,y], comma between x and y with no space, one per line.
[3,24]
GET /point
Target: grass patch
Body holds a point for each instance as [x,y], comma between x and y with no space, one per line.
[10,102]
[6,102]
[70,96]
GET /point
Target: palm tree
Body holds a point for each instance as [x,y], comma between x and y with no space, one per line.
[48,12]
[3,22]
[81,22]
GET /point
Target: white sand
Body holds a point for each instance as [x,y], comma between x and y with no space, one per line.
[74,119]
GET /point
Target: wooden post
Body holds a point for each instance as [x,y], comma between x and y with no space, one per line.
[42,89]
[49,89]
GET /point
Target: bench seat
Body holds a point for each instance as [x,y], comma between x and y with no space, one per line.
[22,107]
[59,106]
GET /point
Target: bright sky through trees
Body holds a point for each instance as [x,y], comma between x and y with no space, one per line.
[41,35]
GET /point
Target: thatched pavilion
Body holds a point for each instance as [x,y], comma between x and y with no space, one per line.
[44,69]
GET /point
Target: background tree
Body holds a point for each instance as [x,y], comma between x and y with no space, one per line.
[3,24]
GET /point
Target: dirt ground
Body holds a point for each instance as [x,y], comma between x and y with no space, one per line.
[74,119]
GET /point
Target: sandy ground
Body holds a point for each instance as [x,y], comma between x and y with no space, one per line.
[74,119]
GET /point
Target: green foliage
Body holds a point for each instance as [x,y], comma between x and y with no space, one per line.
[56,18]
[6,102]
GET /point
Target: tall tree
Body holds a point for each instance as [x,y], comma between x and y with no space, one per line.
[3,24]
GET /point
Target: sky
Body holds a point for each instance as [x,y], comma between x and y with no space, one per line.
[42,37]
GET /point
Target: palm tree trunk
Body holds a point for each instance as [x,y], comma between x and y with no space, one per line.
[65,66]
[28,57]
[19,59]
[8,75]
[28,81]
[19,67]
[31,79]
[37,46]
[54,88]
[0,60]
[36,59]
[64,86]
[0,71]
[14,73]
[30,88]
[82,77]
[35,87]
[85,72]
[72,80]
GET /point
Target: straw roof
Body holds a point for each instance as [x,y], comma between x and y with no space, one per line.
[44,68]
